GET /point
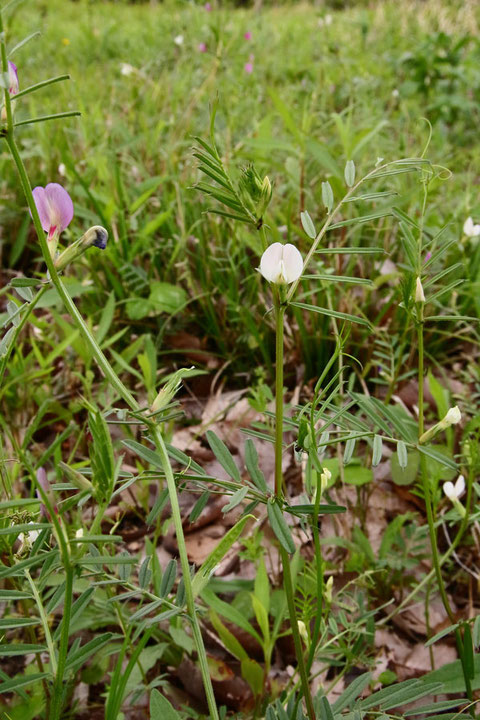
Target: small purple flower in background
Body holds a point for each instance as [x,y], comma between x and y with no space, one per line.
[12,79]
[249,65]
[202,47]
[208,7]
[428,256]
[248,35]
[55,208]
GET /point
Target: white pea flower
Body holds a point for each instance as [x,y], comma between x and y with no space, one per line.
[26,541]
[453,492]
[452,417]
[281,264]
[328,19]
[419,294]
[324,479]
[127,69]
[79,533]
[470,229]
[178,40]
[302,629]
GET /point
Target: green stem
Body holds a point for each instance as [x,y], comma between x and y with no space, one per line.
[287,576]
[429,508]
[44,619]
[280,314]
[182,551]
[319,569]
[58,686]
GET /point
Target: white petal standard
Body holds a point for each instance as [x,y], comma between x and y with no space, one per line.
[449,490]
[281,264]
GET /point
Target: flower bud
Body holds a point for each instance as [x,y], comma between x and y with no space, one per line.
[328,590]
[325,477]
[453,417]
[419,294]
[302,629]
[265,197]
[96,236]
[76,478]
[281,264]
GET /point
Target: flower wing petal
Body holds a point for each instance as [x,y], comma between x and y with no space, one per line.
[43,207]
[449,490]
[270,262]
[61,205]
[293,262]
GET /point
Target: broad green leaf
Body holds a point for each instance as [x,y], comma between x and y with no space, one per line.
[350,173]
[331,313]
[377,450]
[253,673]
[408,474]
[21,681]
[251,461]
[168,579]
[202,576]
[327,195]
[351,692]
[223,455]
[11,649]
[402,454]
[307,224]
[279,526]
[236,499]
[229,640]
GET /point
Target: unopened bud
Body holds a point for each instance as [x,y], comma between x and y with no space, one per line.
[76,478]
[328,590]
[302,629]
[96,236]
[419,294]
[453,417]
[265,197]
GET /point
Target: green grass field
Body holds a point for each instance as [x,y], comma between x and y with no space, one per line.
[298,92]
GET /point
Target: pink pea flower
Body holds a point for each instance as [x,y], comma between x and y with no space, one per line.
[249,65]
[12,78]
[55,208]
[202,47]
[248,35]
[208,7]
[428,256]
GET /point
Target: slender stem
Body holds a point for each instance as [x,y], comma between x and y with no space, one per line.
[319,569]
[44,619]
[289,592]
[280,314]
[182,551]
[429,508]
[58,686]
[287,576]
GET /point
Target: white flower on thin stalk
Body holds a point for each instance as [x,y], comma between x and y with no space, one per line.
[453,492]
[27,540]
[470,229]
[281,264]
[178,40]
[452,417]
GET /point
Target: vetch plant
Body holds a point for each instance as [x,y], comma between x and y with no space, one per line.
[51,209]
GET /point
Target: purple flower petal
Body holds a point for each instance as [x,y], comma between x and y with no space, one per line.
[55,207]
[12,78]
[43,207]
[61,206]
